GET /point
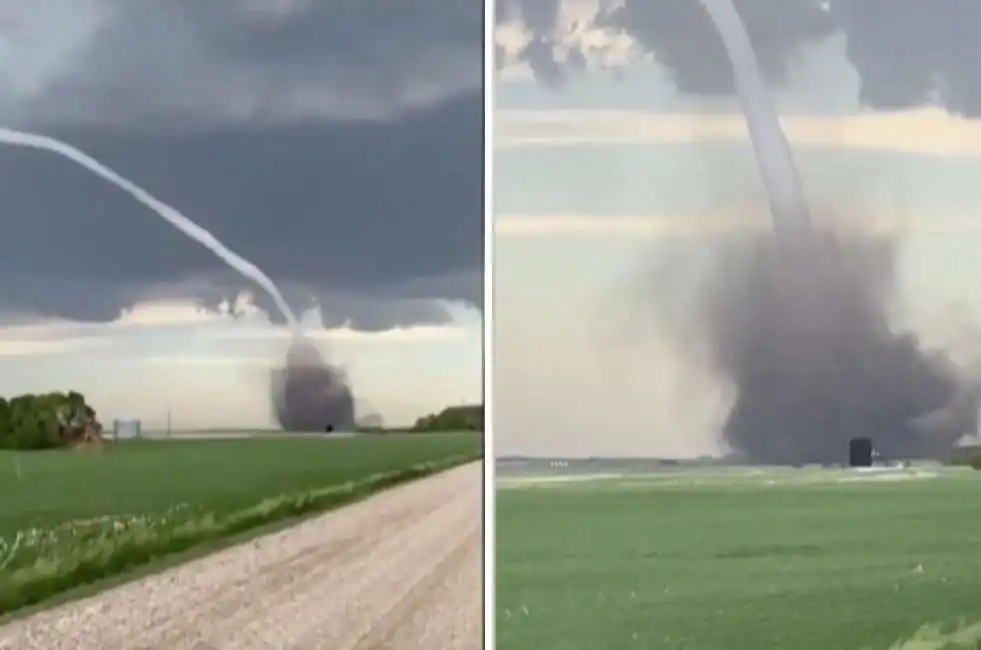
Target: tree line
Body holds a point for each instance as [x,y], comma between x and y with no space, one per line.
[465,417]
[36,421]
[969,456]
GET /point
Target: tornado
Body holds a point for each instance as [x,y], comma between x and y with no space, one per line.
[788,206]
[310,394]
[307,392]
[798,320]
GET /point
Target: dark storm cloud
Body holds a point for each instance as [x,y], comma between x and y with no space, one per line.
[907,52]
[336,144]
[185,63]
[540,18]
[341,207]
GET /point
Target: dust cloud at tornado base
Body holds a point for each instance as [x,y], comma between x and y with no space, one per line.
[308,393]
[810,350]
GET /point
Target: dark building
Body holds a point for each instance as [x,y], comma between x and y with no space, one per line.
[860,452]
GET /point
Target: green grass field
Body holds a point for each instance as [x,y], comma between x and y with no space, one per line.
[736,560]
[69,518]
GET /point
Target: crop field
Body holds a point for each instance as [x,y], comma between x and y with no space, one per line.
[739,559]
[68,518]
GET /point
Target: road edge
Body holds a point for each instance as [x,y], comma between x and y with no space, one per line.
[367,488]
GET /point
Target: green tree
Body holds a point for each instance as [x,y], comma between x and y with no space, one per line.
[42,421]
[467,417]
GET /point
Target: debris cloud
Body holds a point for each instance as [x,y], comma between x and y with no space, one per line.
[815,359]
[309,394]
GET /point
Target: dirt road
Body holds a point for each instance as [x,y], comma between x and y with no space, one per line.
[400,571]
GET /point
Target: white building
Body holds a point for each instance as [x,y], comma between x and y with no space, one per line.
[126,429]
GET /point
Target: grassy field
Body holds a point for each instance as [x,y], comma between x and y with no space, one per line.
[737,560]
[69,518]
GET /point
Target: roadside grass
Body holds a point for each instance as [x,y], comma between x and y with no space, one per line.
[72,519]
[935,637]
[703,565]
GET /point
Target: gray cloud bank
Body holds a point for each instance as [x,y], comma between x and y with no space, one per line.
[336,144]
[906,52]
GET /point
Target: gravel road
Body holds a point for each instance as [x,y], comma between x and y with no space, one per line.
[399,571]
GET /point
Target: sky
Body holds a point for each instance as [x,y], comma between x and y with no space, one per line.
[620,152]
[335,145]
